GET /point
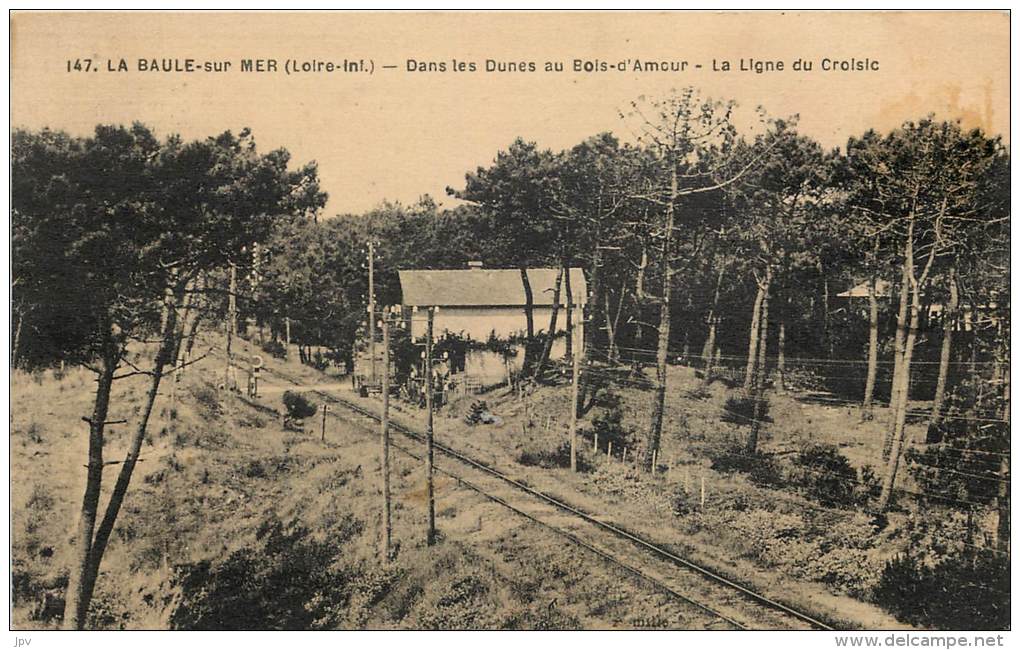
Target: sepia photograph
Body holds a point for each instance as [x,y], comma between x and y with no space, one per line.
[508,321]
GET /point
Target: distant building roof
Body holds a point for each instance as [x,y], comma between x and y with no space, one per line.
[480,287]
[861,290]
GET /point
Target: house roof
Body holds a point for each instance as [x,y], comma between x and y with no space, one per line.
[487,287]
[861,290]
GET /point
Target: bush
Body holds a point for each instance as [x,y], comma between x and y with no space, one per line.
[850,569]
[769,535]
[275,349]
[682,503]
[608,424]
[319,361]
[463,602]
[760,469]
[539,617]
[560,457]
[740,410]
[285,581]
[965,467]
[965,592]
[298,405]
[826,476]
[208,398]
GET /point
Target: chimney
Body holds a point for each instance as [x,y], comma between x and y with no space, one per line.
[475,265]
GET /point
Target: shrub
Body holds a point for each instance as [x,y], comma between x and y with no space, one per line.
[760,469]
[768,535]
[826,476]
[964,592]
[682,503]
[275,349]
[285,581]
[850,569]
[298,405]
[540,617]
[40,501]
[462,603]
[608,423]
[740,410]
[35,431]
[948,469]
[550,459]
[319,361]
[207,398]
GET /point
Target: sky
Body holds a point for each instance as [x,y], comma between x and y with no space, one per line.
[396,134]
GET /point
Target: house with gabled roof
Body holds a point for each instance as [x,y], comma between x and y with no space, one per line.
[970,316]
[478,303]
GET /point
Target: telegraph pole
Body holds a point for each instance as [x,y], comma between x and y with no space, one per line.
[429,488]
[231,326]
[386,439]
[578,351]
[256,278]
[286,350]
[371,307]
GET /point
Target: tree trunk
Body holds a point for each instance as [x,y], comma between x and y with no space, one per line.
[594,300]
[898,348]
[183,323]
[589,314]
[869,383]
[752,345]
[760,376]
[902,393]
[547,349]
[639,293]
[784,310]
[706,352]
[77,600]
[610,330]
[709,347]
[614,350]
[529,318]
[1002,500]
[1002,525]
[655,425]
[948,324]
[127,467]
[16,344]
[826,316]
[192,333]
[781,359]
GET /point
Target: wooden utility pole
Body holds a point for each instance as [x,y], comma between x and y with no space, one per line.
[325,407]
[286,349]
[371,307]
[429,488]
[574,392]
[228,372]
[387,528]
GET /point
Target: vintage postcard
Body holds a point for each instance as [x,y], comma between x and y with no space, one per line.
[634,320]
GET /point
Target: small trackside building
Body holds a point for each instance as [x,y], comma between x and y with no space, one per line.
[479,303]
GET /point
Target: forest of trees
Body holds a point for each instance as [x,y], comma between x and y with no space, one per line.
[698,231]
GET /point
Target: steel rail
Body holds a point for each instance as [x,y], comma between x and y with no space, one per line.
[652,547]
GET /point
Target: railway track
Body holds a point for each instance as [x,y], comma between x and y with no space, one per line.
[723,600]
